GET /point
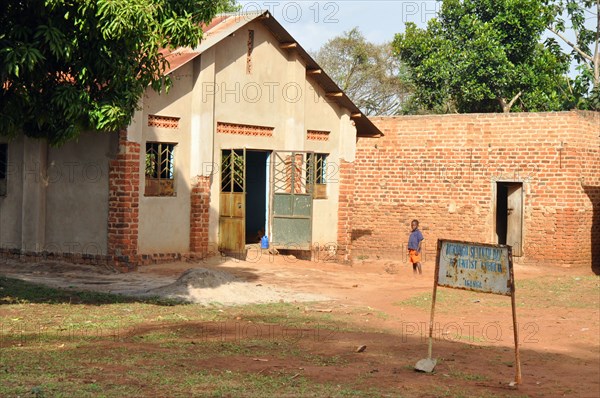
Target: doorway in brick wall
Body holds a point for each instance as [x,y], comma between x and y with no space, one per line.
[257,194]
[509,215]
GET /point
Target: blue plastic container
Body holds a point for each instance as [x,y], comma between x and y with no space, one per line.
[264,242]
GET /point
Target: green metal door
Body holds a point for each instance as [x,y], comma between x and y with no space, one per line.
[291,200]
[232,201]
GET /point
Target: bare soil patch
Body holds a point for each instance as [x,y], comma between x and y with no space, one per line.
[559,340]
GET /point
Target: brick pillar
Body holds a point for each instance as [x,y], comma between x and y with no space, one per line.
[200,203]
[123,203]
[345,210]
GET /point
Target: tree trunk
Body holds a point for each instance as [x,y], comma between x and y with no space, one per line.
[507,106]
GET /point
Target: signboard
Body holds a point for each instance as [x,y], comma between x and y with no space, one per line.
[474,266]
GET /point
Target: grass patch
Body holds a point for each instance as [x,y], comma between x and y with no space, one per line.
[62,343]
[454,298]
[565,292]
[16,291]
[467,376]
[59,343]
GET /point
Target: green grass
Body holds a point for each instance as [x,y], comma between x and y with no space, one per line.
[16,291]
[564,292]
[61,343]
[467,376]
[453,297]
[84,370]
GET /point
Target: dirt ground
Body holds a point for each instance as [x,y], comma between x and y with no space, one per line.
[559,346]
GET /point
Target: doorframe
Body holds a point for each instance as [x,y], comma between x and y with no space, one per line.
[495,211]
[267,193]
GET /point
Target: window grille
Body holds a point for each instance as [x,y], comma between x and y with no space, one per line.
[160,170]
[232,171]
[316,175]
[290,171]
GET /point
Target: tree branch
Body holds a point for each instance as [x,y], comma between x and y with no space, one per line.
[506,107]
[573,45]
[512,101]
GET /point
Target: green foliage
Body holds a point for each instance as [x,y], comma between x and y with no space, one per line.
[484,56]
[67,66]
[571,15]
[368,73]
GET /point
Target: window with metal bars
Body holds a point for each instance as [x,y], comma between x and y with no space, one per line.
[3,168]
[232,171]
[160,169]
[316,175]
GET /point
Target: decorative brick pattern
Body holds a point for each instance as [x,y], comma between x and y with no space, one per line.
[123,203]
[243,129]
[249,53]
[316,135]
[166,122]
[443,169]
[200,204]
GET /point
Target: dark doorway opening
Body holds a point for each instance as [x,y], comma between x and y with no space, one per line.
[594,194]
[509,215]
[501,206]
[256,195]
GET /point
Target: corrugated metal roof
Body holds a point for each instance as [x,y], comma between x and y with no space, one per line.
[226,24]
[179,57]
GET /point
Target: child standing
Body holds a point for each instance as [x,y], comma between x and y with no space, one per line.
[414,246]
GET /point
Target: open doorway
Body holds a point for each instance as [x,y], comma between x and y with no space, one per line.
[509,215]
[256,195]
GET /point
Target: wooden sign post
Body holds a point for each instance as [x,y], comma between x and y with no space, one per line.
[478,267]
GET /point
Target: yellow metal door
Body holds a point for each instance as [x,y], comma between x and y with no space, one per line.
[232,208]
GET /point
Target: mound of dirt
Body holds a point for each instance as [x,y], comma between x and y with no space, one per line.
[206,286]
[195,278]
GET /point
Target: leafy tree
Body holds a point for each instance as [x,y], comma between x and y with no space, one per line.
[66,66]
[368,73]
[484,56]
[585,47]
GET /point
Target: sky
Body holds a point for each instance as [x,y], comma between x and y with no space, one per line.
[312,23]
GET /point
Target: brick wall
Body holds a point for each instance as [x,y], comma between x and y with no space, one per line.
[345,211]
[443,171]
[123,204]
[200,204]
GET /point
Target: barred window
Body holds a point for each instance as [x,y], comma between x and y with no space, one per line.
[316,175]
[160,169]
[3,168]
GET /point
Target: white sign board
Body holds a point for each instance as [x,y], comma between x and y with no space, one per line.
[475,266]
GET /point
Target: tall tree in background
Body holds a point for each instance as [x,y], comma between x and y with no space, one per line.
[585,47]
[368,73]
[66,66]
[485,56]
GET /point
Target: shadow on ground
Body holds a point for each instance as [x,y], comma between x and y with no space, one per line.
[16,291]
